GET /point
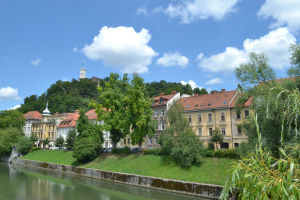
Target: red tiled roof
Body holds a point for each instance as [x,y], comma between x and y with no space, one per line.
[165,99]
[33,115]
[91,114]
[69,121]
[209,101]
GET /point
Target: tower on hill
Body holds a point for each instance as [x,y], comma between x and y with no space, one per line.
[82,72]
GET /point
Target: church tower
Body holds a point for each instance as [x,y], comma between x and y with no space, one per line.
[82,72]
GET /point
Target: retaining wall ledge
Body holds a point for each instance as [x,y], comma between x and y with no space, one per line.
[177,186]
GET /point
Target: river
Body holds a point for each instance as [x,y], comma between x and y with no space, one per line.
[23,183]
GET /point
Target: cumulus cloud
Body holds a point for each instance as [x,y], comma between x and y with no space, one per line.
[193,10]
[285,13]
[122,48]
[191,83]
[173,59]
[214,81]
[275,45]
[9,93]
[36,62]
[15,107]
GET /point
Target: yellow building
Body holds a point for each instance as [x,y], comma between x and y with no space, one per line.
[209,112]
[45,128]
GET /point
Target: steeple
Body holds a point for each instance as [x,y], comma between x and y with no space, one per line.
[46,111]
[82,71]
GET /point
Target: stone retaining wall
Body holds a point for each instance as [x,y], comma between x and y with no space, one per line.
[183,187]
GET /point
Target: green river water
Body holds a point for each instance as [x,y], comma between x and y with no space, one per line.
[23,183]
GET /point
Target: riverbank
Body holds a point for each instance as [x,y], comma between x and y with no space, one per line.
[213,171]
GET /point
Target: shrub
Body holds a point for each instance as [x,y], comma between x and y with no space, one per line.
[155,151]
[124,150]
[35,149]
[71,139]
[8,138]
[227,153]
[188,151]
[24,145]
[85,150]
[207,152]
[60,142]
[245,149]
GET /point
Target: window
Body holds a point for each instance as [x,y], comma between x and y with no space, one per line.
[156,127]
[200,131]
[223,131]
[210,130]
[239,129]
[124,140]
[222,116]
[128,141]
[156,140]
[238,115]
[161,100]
[150,141]
[156,113]
[162,112]
[236,145]
[224,145]
[190,118]
[199,117]
[210,117]
[163,126]
[246,113]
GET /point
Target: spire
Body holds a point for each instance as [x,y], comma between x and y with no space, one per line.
[46,111]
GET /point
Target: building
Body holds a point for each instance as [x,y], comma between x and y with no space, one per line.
[45,128]
[208,112]
[67,124]
[31,117]
[82,74]
[160,108]
[93,118]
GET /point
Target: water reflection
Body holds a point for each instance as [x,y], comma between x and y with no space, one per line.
[20,182]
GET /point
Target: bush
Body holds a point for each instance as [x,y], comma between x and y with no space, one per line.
[60,142]
[71,139]
[188,151]
[85,150]
[208,152]
[227,153]
[8,138]
[24,145]
[245,149]
[155,151]
[35,149]
[124,150]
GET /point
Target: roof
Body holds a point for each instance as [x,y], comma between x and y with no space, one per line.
[33,115]
[69,121]
[162,99]
[222,99]
[91,114]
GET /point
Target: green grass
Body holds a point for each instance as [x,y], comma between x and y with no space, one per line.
[213,171]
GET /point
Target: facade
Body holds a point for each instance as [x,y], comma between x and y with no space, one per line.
[92,117]
[160,108]
[45,128]
[31,117]
[67,124]
[82,74]
[208,112]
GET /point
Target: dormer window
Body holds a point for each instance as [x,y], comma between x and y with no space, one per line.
[161,100]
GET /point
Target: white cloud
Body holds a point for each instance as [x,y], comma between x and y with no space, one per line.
[122,48]
[15,107]
[9,93]
[193,10]
[173,59]
[36,62]
[214,81]
[191,83]
[142,10]
[75,49]
[275,45]
[284,12]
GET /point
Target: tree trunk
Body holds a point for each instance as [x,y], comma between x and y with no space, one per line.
[140,145]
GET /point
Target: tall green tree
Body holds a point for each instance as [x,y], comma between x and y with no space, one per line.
[112,107]
[294,70]
[82,122]
[138,116]
[255,71]
[71,139]
[59,142]
[11,118]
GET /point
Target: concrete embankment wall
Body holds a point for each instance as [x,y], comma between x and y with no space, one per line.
[183,187]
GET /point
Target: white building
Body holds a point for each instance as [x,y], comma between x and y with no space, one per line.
[67,124]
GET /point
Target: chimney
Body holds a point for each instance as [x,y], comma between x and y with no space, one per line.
[161,94]
[77,111]
[222,90]
[173,92]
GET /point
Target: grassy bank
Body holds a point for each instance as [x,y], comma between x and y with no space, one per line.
[214,170]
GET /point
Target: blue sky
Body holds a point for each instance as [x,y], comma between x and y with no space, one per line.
[196,41]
